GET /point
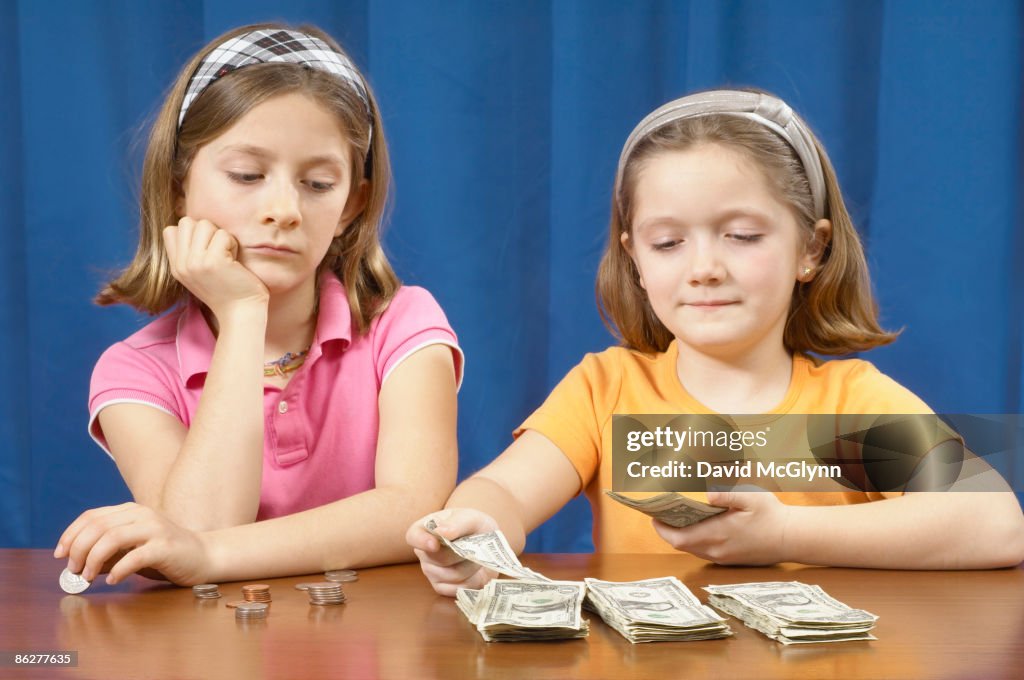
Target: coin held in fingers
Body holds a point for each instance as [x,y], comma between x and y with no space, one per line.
[72,583]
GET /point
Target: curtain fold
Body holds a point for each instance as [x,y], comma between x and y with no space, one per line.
[16,463]
[505,120]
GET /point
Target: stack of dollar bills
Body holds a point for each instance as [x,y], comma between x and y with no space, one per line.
[509,611]
[655,610]
[792,612]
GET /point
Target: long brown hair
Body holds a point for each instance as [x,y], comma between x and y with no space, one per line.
[833,314]
[356,256]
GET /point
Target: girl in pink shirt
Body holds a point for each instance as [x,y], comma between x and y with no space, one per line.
[268,161]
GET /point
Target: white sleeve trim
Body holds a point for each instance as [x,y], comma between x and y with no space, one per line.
[96,414]
[460,369]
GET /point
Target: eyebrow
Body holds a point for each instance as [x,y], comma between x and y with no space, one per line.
[260,152]
[719,218]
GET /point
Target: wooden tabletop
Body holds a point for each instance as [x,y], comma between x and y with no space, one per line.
[931,625]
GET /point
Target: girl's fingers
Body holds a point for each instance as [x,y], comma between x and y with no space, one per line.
[66,539]
[133,561]
[443,557]
[198,247]
[109,544]
[184,242]
[464,523]
[91,532]
[459,572]
[420,539]
[202,234]
[440,558]
[224,243]
[447,584]
[170,235]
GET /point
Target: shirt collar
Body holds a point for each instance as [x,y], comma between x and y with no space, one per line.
[334,321]
[195,341]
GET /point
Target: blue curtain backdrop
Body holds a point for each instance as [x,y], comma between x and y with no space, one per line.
[505,121]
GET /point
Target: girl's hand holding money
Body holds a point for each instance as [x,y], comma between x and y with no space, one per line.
[446,571]
[130,537]
[752,531]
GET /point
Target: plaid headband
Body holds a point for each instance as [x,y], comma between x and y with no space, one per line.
[765,109]
[271,45]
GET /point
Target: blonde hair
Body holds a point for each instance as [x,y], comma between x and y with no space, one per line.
[833,314]
[355,257]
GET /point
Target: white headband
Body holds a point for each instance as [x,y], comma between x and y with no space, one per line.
[271,45]
[765,109]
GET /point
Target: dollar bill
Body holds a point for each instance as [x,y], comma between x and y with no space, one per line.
[792,612]
[671,508]
[489,550]
[508,611]
[654,610]
[466,599]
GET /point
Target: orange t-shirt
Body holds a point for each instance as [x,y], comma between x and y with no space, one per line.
[577,417]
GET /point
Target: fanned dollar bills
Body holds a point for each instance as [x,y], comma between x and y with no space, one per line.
[655,610]
[510,611]
[671,508]
[792,612]
[489,550]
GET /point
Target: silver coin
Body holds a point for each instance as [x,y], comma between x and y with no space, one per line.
[252,610]
[341,576]
[72,583]
[253,606]
[328,586]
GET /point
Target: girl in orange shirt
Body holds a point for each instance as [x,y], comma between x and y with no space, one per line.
[731,255]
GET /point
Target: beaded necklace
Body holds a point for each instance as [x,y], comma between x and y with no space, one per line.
[291,362]
[287,364]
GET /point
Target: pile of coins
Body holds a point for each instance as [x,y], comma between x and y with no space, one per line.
[326,593]
[256,604]
[256,592]
[251,611]
[206,591]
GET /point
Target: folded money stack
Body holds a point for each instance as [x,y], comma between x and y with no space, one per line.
[792,612]
[465,600]
[654,610]
[509,611]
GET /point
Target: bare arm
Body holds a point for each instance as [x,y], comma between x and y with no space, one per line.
[926,530]
[181,471]
[524,486]
[961,528]
[416,466]
[415,471]
[528,483]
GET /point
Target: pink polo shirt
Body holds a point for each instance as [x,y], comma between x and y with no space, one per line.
[320,431]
